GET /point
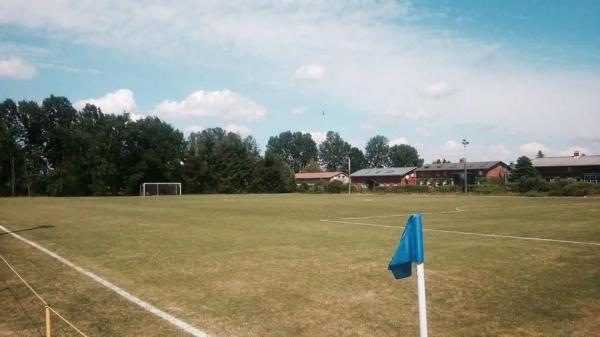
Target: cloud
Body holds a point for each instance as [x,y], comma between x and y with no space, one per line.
[452,145]
[116,103]
[422,132]
[399,141]
[367,127]
[532,148]
[385,55]
[299,110]
[192,129]
[317,136]
[437,90]
[498,151]
[220,104]
[16,68]
[314,72]
[239,129]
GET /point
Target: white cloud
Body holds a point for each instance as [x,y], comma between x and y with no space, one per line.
[385,60]
[367,127]
[532,148]
[422,131]
[239,129]
[452,145]
[437,90]
[16,68]
[399,141]
[192,129]
[498,151]
[310,72]
[420,115]
[220,104]
[116,102]
[299,110]
[571,150]
[317,136]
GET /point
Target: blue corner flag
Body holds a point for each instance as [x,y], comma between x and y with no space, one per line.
[410,248]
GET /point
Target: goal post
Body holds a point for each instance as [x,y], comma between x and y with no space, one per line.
[148,189]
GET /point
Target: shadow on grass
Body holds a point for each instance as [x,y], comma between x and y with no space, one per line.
[31,321]
[26,229]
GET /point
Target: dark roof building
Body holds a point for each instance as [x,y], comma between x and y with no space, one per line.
[387,176]
[448,171]
[577,167]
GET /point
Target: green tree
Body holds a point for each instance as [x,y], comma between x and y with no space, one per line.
[540,154]
[376,151]
[11,148]
[357,160]
[404,155]
[272,175]
[333,152]
[297,149]
[313,166]
[523,168]
[35,166]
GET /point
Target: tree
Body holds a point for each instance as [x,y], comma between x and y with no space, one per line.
[540,154]
[440,161]
[357,160]
[313,166]
[272,175]
[523,168]
[404,155]
[297,149]
[333,152]
[376,151]
[11,147]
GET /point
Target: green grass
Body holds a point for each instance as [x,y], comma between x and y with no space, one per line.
[264,265]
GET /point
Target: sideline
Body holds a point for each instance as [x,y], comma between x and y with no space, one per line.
[136,300]
[469,233]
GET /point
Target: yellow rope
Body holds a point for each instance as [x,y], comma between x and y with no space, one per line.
[40,297]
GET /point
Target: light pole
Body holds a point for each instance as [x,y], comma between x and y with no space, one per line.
[349,178]
[465,143]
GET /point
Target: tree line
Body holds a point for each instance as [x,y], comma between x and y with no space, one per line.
[53,149]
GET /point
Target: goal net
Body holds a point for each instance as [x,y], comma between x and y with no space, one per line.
[149,189]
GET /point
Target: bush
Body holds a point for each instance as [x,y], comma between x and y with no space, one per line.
[572,189]
[335,186]
[303,188]
[531,183]
[401,189]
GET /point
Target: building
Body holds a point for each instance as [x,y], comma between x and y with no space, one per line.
[447,173]
[389,176]
[311,178]
[577,167]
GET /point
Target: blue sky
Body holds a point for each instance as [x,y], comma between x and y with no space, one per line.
[512,77]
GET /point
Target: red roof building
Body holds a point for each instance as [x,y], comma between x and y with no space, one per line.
[311,178]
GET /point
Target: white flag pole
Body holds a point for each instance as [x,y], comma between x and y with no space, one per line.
[422,304]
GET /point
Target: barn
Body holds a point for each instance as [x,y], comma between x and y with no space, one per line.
[389,176]
[577,167]
[311,178]
[447,173]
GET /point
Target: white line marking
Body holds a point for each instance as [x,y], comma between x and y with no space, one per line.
[149,307]
[469,233]
[457,210]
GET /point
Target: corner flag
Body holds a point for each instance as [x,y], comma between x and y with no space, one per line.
[410,248]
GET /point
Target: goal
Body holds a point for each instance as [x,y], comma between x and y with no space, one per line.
[149,189]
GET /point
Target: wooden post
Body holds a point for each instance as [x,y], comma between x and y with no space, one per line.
[48,329]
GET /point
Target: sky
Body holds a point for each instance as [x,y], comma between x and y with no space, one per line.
[511,77]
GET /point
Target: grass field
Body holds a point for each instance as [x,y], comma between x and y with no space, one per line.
[266,265]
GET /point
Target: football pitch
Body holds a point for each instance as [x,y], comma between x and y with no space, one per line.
[302,265]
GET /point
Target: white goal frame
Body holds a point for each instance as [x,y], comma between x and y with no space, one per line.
[143,188]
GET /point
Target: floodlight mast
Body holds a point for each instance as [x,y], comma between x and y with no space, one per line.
[349,178]
[465,143]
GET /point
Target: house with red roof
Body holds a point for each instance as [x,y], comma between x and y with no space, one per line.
[311,178]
